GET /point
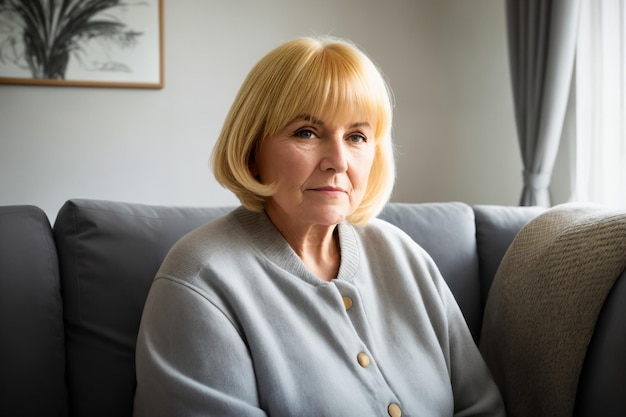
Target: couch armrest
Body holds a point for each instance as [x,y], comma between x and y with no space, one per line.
[602,383]
[32,357]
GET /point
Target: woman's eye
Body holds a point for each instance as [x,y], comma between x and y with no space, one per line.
[357,138]
[305,134]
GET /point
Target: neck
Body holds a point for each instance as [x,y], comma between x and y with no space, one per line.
[321,255]
[316,245]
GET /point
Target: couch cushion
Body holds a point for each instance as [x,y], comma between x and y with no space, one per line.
[496,227]
[447,232]
[32,358]
[109,253]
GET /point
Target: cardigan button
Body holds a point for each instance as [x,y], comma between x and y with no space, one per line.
[363,359]
[394,410]
[347,302]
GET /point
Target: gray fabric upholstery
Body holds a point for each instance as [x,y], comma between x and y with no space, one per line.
[496,227]
[32,356]
[602,384]
[109,253]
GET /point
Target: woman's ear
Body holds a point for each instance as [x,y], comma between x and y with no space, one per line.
[253,168]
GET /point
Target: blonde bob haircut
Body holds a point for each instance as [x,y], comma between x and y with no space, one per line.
[326,78]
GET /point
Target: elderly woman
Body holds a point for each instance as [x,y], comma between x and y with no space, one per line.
[300,303]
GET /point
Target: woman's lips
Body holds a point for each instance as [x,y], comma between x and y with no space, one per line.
[330,189]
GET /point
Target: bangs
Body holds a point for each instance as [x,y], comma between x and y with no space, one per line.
[333,84]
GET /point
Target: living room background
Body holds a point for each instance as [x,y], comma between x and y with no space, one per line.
[446,61]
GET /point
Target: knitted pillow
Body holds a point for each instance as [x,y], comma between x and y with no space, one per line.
[544,302]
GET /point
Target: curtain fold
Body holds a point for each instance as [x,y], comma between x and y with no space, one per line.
[542,43]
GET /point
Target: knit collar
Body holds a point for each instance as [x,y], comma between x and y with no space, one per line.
[266,238]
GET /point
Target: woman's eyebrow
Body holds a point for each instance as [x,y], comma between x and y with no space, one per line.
[316,121]
[359,124]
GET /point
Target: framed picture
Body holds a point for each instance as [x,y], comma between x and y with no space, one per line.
[95,43]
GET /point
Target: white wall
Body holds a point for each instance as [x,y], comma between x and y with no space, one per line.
[446,61]
[462,143]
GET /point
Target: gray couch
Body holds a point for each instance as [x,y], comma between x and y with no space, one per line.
[71,295]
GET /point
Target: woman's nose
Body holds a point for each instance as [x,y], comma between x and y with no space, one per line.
[334,155]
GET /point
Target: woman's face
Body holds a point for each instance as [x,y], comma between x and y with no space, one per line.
[321,168]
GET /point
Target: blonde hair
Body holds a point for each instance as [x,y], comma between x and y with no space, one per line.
[325,77]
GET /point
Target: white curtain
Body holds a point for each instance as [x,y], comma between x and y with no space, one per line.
[601,103]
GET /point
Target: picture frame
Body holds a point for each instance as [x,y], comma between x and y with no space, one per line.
[89,43]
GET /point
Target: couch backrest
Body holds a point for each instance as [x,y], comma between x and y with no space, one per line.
[32,357]
[496,227]
[109,253]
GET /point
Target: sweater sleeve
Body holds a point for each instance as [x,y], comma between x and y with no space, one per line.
[475,392]
[190,358]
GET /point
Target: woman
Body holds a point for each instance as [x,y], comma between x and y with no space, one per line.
[299,302]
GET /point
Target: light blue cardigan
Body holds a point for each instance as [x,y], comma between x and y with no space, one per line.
[235,325]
